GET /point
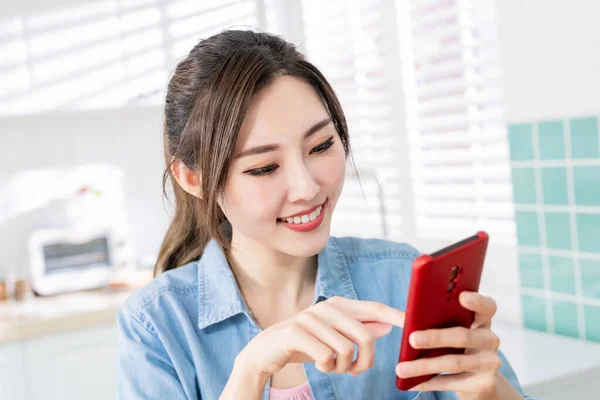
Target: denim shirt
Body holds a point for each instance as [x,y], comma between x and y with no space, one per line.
[179,335]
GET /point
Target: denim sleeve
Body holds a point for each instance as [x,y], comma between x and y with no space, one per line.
[144,369]
[506,371]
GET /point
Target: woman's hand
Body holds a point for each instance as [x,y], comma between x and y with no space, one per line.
[327,329]
[474,374]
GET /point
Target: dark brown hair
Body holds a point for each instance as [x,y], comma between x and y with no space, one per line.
[206,101]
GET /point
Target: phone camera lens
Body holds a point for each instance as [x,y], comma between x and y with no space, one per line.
[454,272]
[451,286]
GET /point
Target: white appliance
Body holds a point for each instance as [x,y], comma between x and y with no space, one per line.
[64,260]
[65,228]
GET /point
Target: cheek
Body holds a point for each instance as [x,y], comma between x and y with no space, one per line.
[332,171]
[250,199]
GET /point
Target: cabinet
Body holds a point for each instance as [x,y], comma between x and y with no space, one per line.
[74,365]
[12,374]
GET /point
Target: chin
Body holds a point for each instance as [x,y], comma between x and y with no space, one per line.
[306,244]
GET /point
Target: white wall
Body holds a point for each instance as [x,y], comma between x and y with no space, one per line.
[128,137]
[550,63]
[550,57]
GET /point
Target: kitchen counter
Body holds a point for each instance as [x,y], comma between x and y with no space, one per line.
[38,316]
[551,366]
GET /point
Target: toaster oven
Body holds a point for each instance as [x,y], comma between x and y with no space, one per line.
[66,260]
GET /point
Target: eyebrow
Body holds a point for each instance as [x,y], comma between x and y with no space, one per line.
[272,147]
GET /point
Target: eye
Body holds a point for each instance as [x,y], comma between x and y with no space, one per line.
[262,170]
[323,146]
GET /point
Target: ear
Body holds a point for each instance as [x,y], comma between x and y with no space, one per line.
[188,179]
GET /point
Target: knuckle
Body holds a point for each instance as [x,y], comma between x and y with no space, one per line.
[493,306]
[325,356]
[317,307]
[324,366]
[365,339]
[347,350]
[495,342]
[333,300]
[324,307]
[305,318]
[495,362]
[465,337]
[459,363]
[294,329]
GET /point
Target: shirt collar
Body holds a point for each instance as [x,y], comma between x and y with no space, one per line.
[220,298]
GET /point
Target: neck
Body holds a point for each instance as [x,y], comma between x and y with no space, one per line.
[275,285]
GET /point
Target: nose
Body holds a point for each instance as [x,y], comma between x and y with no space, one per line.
[302,185]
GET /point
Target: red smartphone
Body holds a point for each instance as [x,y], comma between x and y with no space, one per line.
[436,282]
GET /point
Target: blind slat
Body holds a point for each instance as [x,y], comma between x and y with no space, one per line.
[106,53]
[458,151]
[346,41]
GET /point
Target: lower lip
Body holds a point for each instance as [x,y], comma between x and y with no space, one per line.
[309,226]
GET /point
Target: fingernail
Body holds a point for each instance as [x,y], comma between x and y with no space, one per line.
[468,296]
[403,370]
[415,339]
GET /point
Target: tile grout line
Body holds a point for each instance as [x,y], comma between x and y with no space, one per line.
[558,207]
[560,253]
[574,232]
[586,162]
[561,296]
[542,226]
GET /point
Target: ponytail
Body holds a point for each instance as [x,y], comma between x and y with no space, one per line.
[186,237]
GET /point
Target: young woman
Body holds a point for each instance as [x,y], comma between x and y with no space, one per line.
[252,298]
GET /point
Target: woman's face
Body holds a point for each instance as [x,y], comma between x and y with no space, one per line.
[287,172]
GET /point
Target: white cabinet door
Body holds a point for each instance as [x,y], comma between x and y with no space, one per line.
[74,365]
[12,379]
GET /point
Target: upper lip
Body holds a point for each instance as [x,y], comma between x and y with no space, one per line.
[304,212]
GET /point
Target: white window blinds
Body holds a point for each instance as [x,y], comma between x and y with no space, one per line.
[458,149]
[346,40]
[102,53]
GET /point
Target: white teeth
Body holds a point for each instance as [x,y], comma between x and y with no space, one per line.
[303,219]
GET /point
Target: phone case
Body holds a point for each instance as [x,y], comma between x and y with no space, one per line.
[436,282]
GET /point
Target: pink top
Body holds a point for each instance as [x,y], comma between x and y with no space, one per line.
[301,392]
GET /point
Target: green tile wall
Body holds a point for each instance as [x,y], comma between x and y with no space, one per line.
[584,138]
[551,139]
[554,185]
[565,318]
[556,191]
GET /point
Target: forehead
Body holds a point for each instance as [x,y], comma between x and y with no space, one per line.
[282,111]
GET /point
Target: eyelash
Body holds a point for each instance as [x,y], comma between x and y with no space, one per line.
[266,170]
[323,146]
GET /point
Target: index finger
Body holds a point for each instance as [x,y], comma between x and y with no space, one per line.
[363,310]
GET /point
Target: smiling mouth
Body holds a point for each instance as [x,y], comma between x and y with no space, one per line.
[304,218]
